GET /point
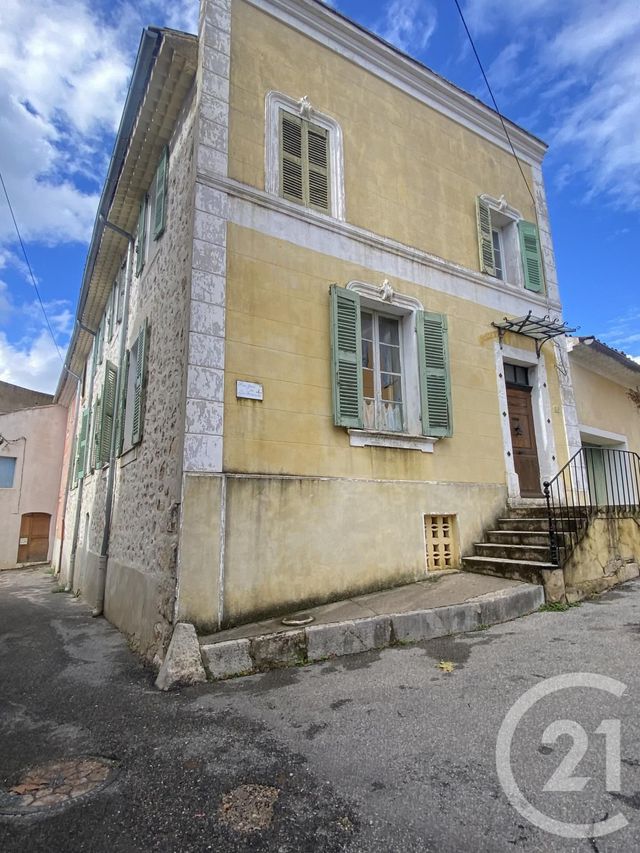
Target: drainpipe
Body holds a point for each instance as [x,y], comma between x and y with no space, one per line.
[76,523]
[69,466]
[108,512]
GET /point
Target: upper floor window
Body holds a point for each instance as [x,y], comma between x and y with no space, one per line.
[509,247]
[303,155]
[152,215]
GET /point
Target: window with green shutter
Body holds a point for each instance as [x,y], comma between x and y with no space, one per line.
[81,446]
[304,162]
[122,406]
[97,424]
[139,385]
[160,194]
[106,416]
[531,258]
[485,237]
[390,370]
[141,236]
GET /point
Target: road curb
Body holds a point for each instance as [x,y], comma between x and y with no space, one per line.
[232,658]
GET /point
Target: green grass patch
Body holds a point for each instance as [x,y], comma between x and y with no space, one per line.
[558,606]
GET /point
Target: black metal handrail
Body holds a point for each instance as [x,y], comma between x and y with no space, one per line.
[594,479]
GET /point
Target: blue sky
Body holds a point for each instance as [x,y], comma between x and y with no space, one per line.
[569,72]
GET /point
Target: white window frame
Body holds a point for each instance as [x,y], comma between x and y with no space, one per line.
[504,220]
[376,314]
[302,108]
[384,300]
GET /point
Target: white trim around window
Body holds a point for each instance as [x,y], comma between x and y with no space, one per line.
[276,101]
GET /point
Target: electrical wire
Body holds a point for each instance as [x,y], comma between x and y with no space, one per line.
[507,135]
[33,278]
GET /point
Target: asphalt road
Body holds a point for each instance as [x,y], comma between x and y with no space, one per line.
[381,751]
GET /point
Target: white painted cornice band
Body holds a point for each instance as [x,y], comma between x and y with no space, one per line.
[324,26]
[471,284]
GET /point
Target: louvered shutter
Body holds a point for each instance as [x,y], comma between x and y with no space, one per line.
[122,405]
[435,383]
[346,350]
[318,166]
[107,412]
[531,259]
[81,446]
[138,394]
[161,194]
[485,237]
[142,236]
[96,461]
[291,155]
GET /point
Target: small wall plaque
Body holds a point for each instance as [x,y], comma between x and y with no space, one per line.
[24,540]
[249,390]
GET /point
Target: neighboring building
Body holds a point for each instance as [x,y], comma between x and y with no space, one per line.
[31,447]
[293,384]
[13,398]
[607,390]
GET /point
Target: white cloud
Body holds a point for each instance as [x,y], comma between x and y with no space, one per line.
[408,24]
[624,333]
[585,78]
[33,364]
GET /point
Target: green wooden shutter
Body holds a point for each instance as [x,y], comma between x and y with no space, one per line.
[110,309]
[138,398]
[107,412]
[291,157]
[142,236]
[96,460]
[122,405]
[435,381]
[81,446]
[161,195]
[485,237]
[531,259]
[318,166]
[346,351]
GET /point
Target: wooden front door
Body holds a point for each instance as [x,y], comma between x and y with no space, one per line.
[34,537]
[523,441]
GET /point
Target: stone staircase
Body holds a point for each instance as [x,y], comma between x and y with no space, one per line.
[518,547]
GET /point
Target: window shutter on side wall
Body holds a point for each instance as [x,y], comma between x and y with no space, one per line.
[97,428]
[435,381]
[531,258]
[485,237]
[107,412]
[346,351]
[122,405]
[138,399]
[161,195]
[81,446]
[141,234]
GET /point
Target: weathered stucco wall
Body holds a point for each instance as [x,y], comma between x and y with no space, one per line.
[35,438]
[608,554]
[278,334]
[288,542]
[411,173]
[605,405]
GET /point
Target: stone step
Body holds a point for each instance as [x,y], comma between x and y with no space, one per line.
[529,553]
[524,570]
[538,523]
[518,537]
[533,511]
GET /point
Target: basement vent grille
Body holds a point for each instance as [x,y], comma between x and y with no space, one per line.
[440,539]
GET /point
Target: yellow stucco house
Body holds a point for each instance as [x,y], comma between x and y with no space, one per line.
[320,339]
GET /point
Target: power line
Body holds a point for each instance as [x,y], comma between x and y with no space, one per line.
[495,105]
[33,278]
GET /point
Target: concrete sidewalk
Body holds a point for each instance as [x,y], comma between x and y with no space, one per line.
[450,603]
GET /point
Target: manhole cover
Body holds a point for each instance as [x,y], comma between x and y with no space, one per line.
[56,784]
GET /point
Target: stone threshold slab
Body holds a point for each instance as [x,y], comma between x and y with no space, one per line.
[253,653]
